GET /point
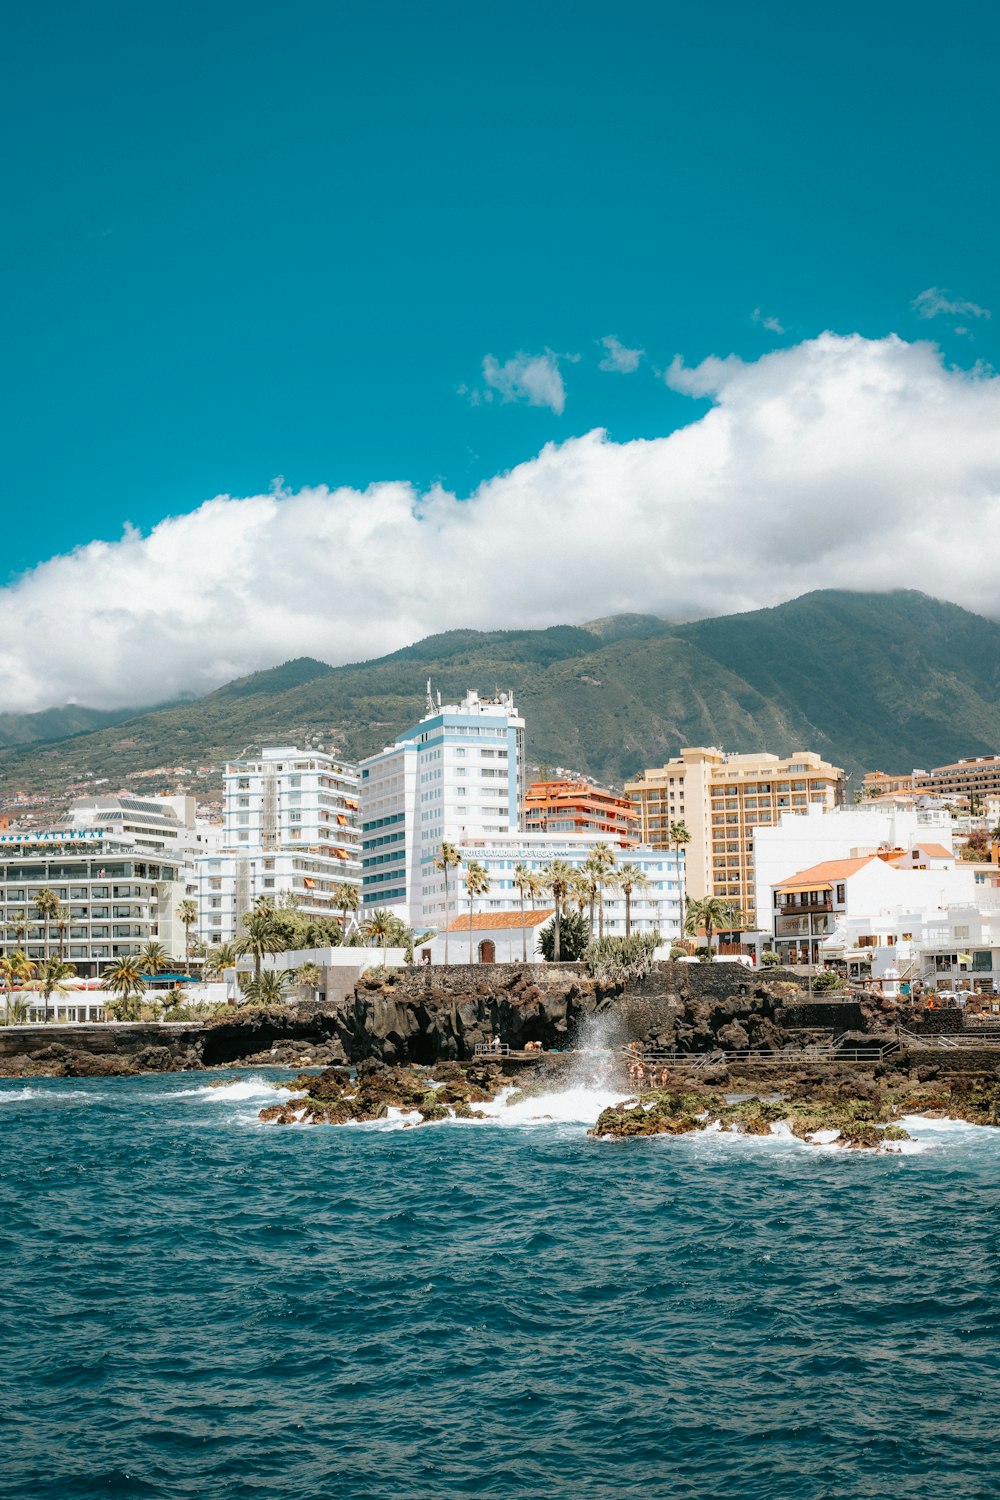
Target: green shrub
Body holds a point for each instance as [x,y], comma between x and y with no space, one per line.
[622,959]
[769,959]
[574,935]
[826,979]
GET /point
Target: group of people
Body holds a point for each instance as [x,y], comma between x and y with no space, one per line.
[643,1075]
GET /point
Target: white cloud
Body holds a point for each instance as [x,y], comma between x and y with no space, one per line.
[770,323]
[618,359]
[935,303]
[839,462]
[534,379]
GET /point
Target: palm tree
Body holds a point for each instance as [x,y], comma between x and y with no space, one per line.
[51,973]
[18,926]
[527,883]
[309,976]
[61,918]
[715,914]
[630,878]
[603,858]
[46,905]
[15,968]
[477,882]
[260,935]
[447,858]
[268,988]
[558,877]
[382,926]
[345,899]
[187,913]
[220,958]
[592,873]
[678,837]
[126,980]
[154,958]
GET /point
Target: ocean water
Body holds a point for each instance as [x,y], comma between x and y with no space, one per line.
[196,1305]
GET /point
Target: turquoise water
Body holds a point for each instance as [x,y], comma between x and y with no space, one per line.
[197,1305]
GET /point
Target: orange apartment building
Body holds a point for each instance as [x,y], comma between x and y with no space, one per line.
[579,807]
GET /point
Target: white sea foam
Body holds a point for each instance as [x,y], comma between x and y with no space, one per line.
[240,1088]
[570,1106]
[15,1096]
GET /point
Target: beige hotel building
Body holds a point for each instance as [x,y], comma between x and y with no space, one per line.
[722,799]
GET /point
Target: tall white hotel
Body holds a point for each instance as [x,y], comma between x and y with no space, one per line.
[455,776]
[290,828]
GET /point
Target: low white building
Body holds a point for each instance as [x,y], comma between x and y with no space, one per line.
[494,938]
[798,842]
[916,911]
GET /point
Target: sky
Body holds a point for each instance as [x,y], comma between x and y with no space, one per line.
[327,326]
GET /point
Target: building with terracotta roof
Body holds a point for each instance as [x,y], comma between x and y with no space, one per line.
[915,912]
[497,937]
[579,807]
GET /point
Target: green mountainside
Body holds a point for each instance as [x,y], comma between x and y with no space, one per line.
[870,680]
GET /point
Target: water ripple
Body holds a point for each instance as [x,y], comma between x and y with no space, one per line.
[197,1306]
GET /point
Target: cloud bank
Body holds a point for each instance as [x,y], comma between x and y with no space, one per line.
[839,462]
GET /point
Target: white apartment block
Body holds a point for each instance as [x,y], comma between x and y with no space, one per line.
[116,898]
[458,774]
[290,829]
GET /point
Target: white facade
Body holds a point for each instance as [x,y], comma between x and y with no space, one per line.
[458,774]
[290,829]
[919,913]
[805,839]
[657,908]
[117,898]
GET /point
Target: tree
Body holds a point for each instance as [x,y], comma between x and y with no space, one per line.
[558,877]
[715,914]
[125,979]
[268,988]
[61,918]
[187,913]
[51,973]
[261,935]
[15,968]
[47,906]
[603,858]
[477,882]
[309,976]
[574,937]
[630,878]
[346,899]
[219,959]
[382,926]
[528,883]
[678,837]
[154,958]
[591,872]
[447,858]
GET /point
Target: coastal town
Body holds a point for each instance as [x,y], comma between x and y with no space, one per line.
[305,870]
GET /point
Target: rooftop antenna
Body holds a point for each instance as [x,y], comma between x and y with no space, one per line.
[439,697]
[430,698]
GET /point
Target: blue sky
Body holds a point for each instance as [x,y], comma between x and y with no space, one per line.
[250,241]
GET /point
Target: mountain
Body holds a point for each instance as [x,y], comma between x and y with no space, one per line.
[57,723]
[884,681]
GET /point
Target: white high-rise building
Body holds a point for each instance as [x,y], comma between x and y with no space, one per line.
[456,775]
[290,829]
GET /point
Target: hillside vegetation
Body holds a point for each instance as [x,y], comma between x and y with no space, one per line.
[888,681]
